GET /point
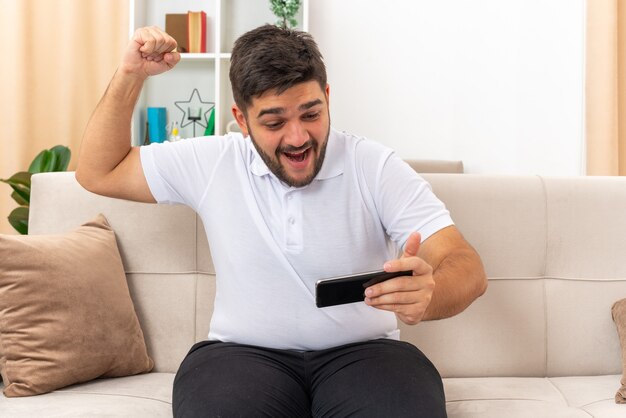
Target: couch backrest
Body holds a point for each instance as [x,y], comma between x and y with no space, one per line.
[554,250]
[165,255]
[436,166]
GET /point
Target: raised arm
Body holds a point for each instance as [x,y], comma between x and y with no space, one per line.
[107,163]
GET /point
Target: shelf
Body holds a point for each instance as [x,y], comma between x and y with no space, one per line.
[204,56]
[185,56]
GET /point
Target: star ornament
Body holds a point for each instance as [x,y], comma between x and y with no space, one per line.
[194,110]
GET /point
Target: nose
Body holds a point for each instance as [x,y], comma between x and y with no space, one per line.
[296,134]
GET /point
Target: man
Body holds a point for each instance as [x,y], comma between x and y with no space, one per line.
[287,203]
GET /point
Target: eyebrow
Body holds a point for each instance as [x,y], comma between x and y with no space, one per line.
[280,110]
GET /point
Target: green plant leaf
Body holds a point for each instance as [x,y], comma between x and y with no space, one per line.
[20,183]
[41,162]
[52,162]
[19,199]
[22,193]
[63,155]
[18,219]
[20,178]
[56,158]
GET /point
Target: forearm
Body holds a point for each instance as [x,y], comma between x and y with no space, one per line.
[107,138]
[459,280]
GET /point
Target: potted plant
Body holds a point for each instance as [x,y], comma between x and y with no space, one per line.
[286,11]
[54,159]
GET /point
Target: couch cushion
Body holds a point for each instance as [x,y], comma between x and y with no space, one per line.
[566,397]
[66,315]
[580,334]
[583,391]
[148,395]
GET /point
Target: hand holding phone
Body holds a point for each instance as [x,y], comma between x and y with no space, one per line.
[350,288]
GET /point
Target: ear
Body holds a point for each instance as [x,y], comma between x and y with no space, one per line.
[241,120]
[327,91]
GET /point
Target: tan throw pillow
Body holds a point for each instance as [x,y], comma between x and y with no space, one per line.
[619,316]
[66,315]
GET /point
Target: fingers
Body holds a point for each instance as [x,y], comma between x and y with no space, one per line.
[171,58]
[422,272]
[151,52]
[154,43]
[398,298]
[407,297]
[401,290]
[415,264]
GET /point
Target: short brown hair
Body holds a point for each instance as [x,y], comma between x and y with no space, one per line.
[268,58]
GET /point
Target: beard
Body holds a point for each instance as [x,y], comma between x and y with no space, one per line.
[275,166]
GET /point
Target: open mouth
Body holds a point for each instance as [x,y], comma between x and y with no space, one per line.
[297,156]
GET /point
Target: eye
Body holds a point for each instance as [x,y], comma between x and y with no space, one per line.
[274,125]
[311,116]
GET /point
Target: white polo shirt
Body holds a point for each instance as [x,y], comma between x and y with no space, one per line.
[270,242]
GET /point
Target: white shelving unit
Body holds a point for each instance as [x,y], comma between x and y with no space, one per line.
[207,72]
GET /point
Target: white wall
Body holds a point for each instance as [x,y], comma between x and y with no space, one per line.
[495,83]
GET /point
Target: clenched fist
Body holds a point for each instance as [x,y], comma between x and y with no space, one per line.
[151,51]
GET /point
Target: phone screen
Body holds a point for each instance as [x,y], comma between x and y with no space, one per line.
[351,288]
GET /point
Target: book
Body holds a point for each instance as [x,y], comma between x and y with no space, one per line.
[176,27]
[196,30]
[157,122]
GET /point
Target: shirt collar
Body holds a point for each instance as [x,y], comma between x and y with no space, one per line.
[332,166]
[335,158]
[257,165]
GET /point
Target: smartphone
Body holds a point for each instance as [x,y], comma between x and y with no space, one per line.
[350,288]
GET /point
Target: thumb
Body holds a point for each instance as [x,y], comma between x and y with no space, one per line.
[412,245]
[171,58]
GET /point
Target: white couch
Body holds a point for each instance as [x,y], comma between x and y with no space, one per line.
[539,343]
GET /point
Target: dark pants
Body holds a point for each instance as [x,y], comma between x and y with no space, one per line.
[381,378]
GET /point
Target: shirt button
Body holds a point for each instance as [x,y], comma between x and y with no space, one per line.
[289,197]
[292,221]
